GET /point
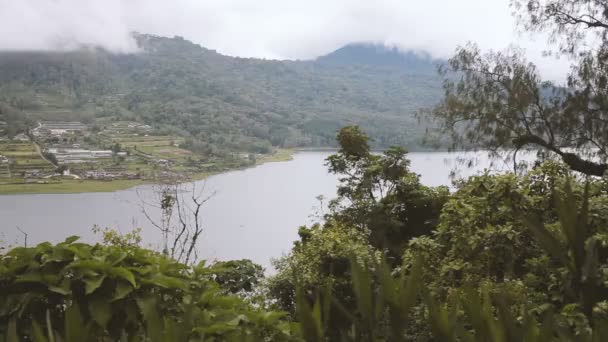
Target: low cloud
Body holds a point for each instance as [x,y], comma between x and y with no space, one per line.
[278,29]
[64,25]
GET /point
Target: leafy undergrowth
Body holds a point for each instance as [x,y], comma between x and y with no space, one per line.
[78,292]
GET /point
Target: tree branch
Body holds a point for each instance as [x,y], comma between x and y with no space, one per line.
[575,162]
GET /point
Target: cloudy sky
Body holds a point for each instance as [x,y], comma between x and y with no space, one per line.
[284,29]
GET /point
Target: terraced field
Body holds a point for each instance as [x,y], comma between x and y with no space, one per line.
[147,141]
[157,146]
[23,157]
[4,171]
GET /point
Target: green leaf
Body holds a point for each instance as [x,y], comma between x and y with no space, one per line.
[310,329]
[100,310]
[93,284]
[362,285]
[122,290]
[71,239]
[38,333]
[154,328]
[441,326]
[547,241]
[63,288]
[165,281]
[123,273]
[75,328]
[33,277]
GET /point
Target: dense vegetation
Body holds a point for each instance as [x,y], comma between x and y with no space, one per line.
[503,258]
[532,246]
[222,103]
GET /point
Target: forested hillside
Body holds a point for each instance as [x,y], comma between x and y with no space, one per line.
[224,103]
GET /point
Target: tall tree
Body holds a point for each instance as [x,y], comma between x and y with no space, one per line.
[499,100]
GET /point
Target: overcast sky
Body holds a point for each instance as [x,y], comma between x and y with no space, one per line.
[284,29]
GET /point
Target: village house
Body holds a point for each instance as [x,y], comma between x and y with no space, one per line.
[61,127]
[73,155]
[21,137]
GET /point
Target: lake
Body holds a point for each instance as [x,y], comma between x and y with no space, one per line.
[255,213]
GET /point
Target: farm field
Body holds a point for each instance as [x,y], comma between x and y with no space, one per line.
[23,157]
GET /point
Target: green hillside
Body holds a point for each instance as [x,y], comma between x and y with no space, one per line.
[221,103]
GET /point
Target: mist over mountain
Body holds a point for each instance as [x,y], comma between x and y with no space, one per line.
[382,56]
[225,103]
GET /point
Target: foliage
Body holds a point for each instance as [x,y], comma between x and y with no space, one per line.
[378,193]
[504,258]
[381,205]
[77,292]
[112,237]
[222,104]
[237,276]
[476,310]
[322,255]
[498,100]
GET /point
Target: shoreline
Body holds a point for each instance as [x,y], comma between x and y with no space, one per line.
[91,186]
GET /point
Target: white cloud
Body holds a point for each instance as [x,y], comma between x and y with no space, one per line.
[293,29]
[63,24]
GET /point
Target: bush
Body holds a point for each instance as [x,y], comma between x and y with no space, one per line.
[84,292]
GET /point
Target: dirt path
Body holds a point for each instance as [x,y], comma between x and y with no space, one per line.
[39,150]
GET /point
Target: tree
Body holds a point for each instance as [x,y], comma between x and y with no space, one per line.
[180,221]
[379,193]
[237,276]
[569,22]
[116,148]
[61,169]
[499,101]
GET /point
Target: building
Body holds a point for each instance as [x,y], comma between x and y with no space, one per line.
[110,175]
[74,155]
[58,128]
[21,137]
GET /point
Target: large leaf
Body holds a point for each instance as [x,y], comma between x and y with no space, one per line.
[62,288]
[122,290]
[75,327]
[92,284]
[101,311]
[38,333]
[311,328]
[149,311]
[362,285]
[165,281]
[547,240]
[71,239]
[123,273]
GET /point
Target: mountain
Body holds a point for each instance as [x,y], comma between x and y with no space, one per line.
[223,103]
[382,56]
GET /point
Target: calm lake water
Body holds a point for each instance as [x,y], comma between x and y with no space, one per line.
[255,213]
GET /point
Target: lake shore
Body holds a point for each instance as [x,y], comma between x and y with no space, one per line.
[74,186]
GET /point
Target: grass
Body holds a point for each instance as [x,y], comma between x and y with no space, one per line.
[281,155]
[16,147]
[166,152]
[24,157]
[69,187]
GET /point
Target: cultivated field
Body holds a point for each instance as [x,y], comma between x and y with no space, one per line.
[23,157]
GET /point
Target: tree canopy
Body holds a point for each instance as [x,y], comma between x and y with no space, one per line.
[498,100]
